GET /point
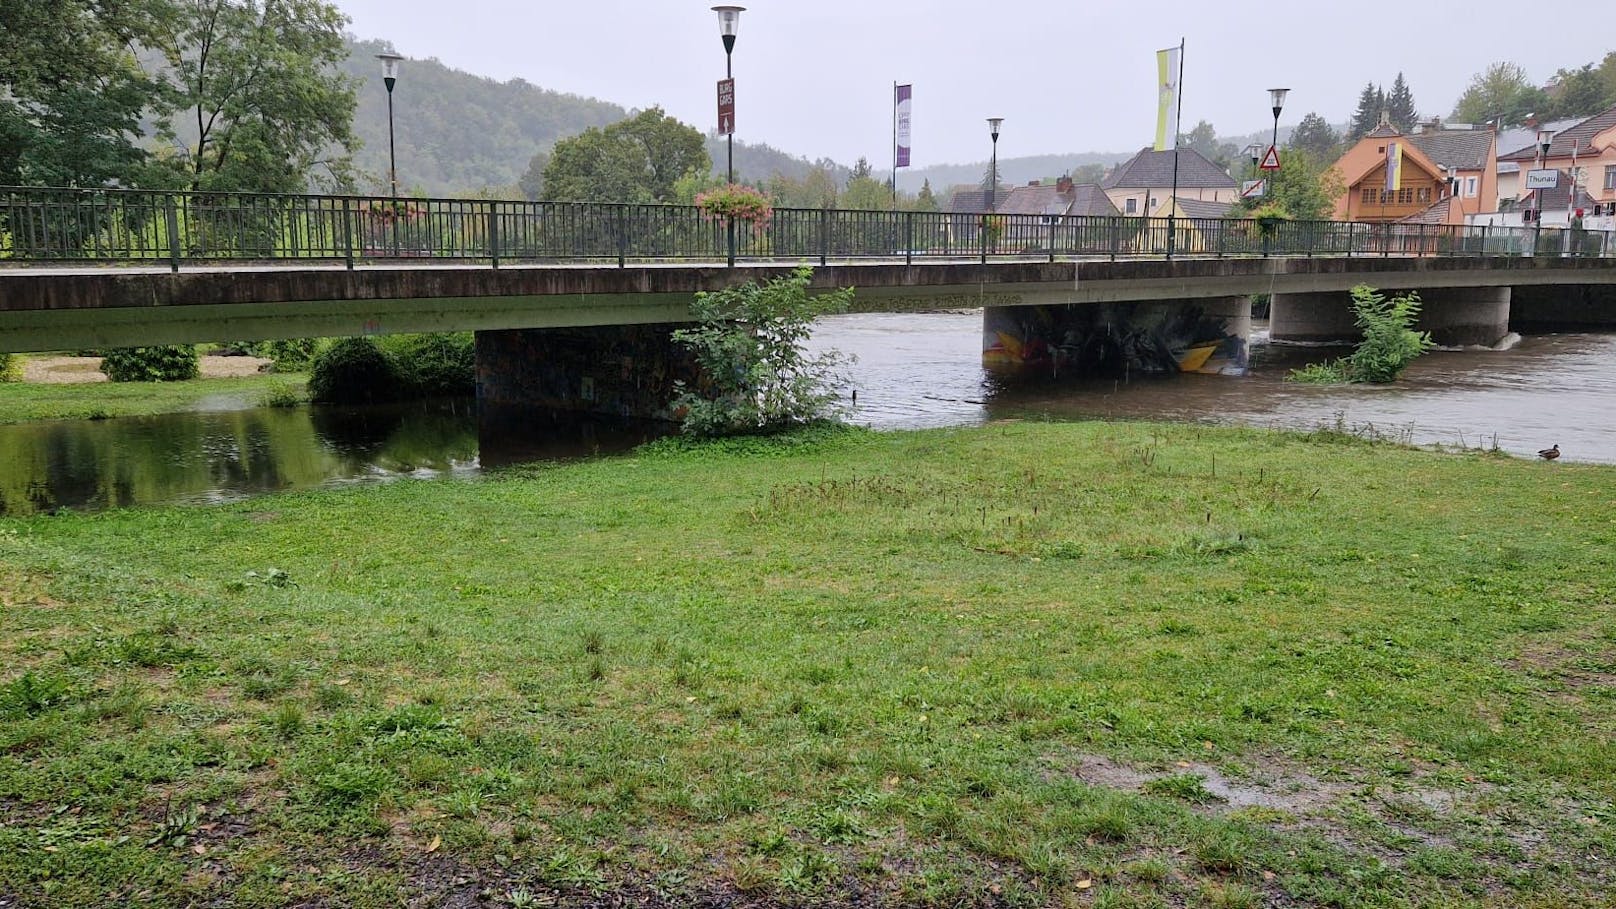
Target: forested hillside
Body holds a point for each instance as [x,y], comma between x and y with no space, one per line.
[458,133]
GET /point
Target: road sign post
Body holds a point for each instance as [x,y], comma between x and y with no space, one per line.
[1270,159]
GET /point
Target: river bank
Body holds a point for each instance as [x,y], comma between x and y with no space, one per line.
[1021,664]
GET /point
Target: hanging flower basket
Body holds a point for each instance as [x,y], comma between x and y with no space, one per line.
[390,210]
[743,203]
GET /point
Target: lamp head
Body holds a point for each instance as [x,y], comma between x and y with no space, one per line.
[1277,96]
[389,68]
[729,23]
[993,126]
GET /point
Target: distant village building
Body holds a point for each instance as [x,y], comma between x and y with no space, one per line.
[1143,183]
[1449,174]
[1589,146]
[1510,181]
[1062,197]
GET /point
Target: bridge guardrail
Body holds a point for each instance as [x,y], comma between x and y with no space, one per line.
[126,225]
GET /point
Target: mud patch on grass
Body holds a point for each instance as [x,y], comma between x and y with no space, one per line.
[1268,786]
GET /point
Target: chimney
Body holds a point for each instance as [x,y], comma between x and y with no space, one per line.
[1063,185]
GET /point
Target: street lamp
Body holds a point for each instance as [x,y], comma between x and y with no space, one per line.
[1254,151]
[1277,96]
[1545,138]
[729,22]
[390,78]
[993,168]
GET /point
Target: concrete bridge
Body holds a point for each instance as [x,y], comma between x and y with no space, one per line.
[577,332]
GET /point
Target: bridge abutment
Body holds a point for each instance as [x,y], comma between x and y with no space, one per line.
[1454,316]
[1563,307]
[1208,335]
[624,371]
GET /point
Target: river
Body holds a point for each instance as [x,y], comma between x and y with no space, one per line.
[912,371]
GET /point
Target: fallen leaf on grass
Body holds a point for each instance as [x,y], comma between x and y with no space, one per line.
[433,846]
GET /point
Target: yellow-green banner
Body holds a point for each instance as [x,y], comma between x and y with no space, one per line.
[1167,72]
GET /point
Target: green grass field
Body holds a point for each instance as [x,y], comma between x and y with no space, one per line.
[1119,665]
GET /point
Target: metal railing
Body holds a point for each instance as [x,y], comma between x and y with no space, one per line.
[120,225]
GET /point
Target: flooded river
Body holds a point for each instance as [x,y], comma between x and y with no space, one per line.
[913,371]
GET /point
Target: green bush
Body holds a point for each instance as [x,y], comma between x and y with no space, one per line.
[436,365]
[10,368]
[354,371]
[1389,342]
[170,363]
[750,344]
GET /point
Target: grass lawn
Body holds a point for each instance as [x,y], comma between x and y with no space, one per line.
[22,402]
[1120,665]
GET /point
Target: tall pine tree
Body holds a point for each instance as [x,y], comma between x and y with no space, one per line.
[1371,101]
[1400,106]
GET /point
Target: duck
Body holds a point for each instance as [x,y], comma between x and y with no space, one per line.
[1549,454]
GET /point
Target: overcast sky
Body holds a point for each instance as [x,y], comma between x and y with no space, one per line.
[814,77]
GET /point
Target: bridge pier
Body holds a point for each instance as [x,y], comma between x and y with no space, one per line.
[1208,335]
[1454,316]
[624,371]
[1563,307]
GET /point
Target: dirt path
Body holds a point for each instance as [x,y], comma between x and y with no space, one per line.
[68,370]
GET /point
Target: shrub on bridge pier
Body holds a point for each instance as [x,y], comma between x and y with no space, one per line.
[354,371]
[166,363]
[398,367]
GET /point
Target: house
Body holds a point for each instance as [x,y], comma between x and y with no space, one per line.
[1062,197]
[1362,171]
[1192,234]
[1030,210]
[1468,155]
[1586,151]
[1142,183]
[1514,140]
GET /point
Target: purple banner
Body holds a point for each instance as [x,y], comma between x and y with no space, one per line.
[900,113]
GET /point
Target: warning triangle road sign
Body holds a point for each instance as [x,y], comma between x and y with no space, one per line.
[1270,161]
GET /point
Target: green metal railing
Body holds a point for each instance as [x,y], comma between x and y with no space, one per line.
[120,225]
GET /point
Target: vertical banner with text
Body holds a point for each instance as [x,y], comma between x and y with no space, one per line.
[902,103]
[726,107]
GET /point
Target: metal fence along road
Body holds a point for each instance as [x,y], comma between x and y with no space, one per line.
[116,225]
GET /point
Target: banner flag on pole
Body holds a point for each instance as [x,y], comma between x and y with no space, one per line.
[903,101]
[1167,72]
[1394,166]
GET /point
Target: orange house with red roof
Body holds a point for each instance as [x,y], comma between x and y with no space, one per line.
[1423,183]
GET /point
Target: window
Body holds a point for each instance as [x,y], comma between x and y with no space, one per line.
[1471,187]
[1405,196]
[1610,176]
[1133,206]
[1369,196]
[1423,195]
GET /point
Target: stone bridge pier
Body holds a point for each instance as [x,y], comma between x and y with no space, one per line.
[620,371]
[1455,317]
[1206,335]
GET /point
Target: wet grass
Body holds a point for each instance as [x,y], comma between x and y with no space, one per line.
[846,668]
[22,402]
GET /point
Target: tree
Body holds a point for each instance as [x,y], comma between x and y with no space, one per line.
[640,159]
[751,345]
[865,193]
[532,182]
[1503,93]
[1371,103]
[861,170]
[262,108]
[1204,139]
[818,188]
[1400,106]
[72,93]
[1580,92]
[1316,137]
[926,200]
[1302,188]
[672,149]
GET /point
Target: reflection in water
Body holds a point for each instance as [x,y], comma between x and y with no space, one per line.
[912,371]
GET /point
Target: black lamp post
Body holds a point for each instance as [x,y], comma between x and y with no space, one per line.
[1277,96]
[390,78]
[729,22]
[1254,151]
[993,168]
